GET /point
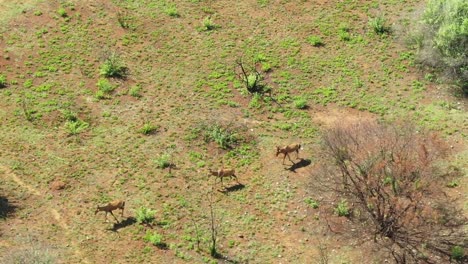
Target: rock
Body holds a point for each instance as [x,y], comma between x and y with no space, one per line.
[57,185]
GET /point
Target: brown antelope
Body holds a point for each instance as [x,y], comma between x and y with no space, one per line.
[114,205]
[224,173]
[288,149]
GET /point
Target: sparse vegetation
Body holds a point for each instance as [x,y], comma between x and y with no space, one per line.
[184,106]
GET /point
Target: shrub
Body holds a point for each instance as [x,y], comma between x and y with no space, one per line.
[163,161]
[62,12]
[390,174]
[342,208]
[3,81]
[300,103]
[104,89]
[125,21]
[105,86]
[208,24]
[171,11]
[311,202]
[252,79]
[135,91]
[378,25]
[457,253]
[343,32]
[70,115]
[148,129]
[76,127]
[315,41]
[155,239]
[443,39]
[222,136]
[113,67]
[144,215]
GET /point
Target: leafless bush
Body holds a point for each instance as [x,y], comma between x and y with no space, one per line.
[389,173]
[33,252]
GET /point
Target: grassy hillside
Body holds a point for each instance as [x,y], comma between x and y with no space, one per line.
[180,102]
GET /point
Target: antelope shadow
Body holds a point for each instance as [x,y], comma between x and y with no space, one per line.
[233,188]
[301,164]
[6,207]
[127,222]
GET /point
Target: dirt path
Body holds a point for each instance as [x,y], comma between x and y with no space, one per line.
[6,173]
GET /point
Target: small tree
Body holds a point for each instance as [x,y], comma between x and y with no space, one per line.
[389,173]
[252,79]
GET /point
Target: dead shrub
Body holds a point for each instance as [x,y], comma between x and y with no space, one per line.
[390,174]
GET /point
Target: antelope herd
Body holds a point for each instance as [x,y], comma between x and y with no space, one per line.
[218,174]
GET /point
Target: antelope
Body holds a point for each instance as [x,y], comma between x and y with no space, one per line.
[224,173]
[288,149]
[114,205]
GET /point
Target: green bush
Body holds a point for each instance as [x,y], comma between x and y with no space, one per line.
[155,239]
[144,215]
[311,202]
[104,89]
[444,37]
[171,11]
[343,32]
[222,136]
[148,129]
[458,253]
[62,12]
[113,67]
[125,21]
[300,103]
[378,25]
[163,161]
[76,127]
[105,86]
[208,24]
[342,208]
[315,41]
[135,91]
[3,81]
[70,115]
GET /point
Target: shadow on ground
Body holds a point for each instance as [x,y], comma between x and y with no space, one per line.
[127,222]
[6,207]
[301,164]
[233,188]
